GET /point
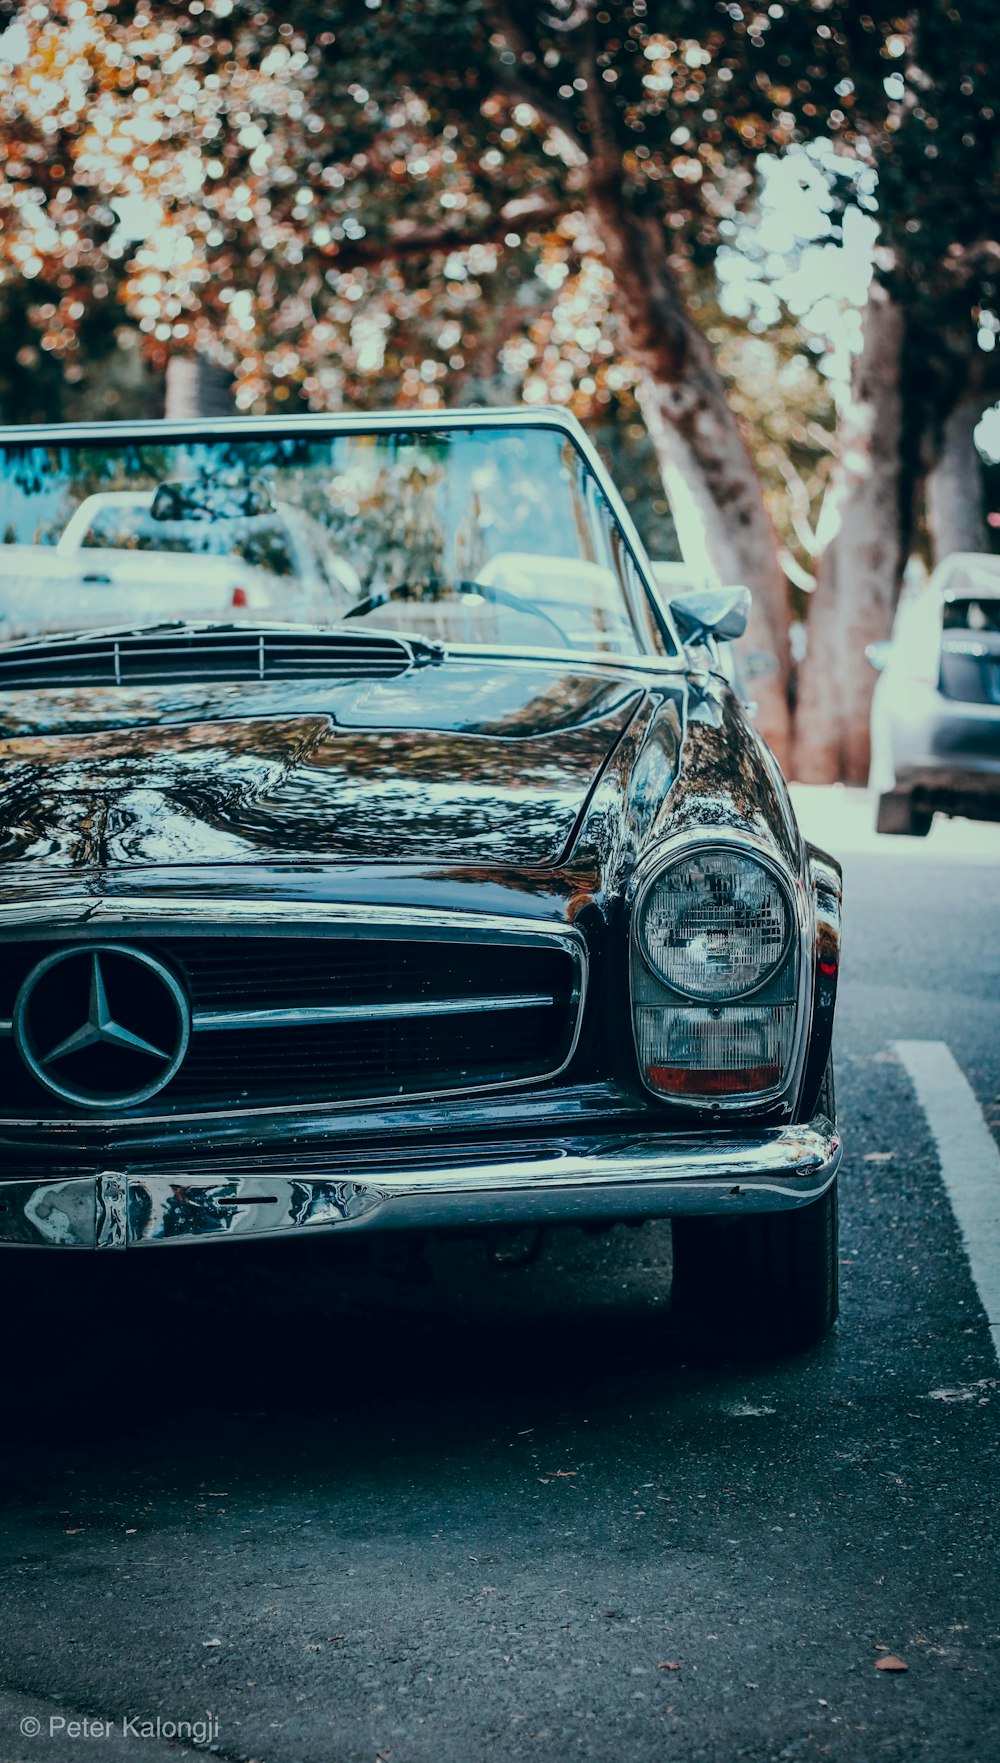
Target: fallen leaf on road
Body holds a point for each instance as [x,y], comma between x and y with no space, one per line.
[890,1662]
[212,1643]
[75,1533]
[963,1392]
[878,1156]
[669,1665]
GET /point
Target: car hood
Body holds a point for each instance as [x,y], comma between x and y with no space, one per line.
[467,764]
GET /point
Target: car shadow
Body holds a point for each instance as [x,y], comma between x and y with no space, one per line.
[147,1343]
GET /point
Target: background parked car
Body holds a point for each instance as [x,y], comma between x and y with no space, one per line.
[936,708]
[121,559]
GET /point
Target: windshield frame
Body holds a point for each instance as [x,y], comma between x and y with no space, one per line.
[205,431]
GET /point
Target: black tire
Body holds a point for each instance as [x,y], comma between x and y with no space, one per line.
[764,1283]
[897,814]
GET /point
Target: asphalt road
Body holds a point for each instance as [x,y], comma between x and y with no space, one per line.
[506,1514]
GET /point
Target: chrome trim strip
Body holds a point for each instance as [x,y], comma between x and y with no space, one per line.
[711,838]
[341,423]
[149,917]
[558,1181]
[320,1013]
[153,916]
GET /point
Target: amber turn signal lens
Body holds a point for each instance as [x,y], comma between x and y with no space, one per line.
[736,1050]
[680,1080]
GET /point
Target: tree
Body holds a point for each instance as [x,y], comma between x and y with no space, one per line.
[346,204]
[922,380]
[956,503]
[658,114]
[298,158]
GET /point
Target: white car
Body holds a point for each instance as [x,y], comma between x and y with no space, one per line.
[935,722]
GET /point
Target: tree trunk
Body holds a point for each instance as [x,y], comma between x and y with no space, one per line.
[697,438]
[695,433]
[196,386]
[956,510]
[867,526]
[703,460]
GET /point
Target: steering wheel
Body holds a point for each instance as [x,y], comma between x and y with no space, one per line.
[485,590]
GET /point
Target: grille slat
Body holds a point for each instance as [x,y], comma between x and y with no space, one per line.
[157,658]
[307,1062]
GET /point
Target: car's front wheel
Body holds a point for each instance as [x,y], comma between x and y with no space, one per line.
[763,1283]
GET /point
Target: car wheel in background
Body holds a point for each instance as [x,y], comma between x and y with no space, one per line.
[897,814]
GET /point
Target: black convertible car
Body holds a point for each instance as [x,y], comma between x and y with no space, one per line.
[472,901]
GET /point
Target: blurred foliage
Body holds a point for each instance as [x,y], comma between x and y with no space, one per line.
[371,204]
[330,195]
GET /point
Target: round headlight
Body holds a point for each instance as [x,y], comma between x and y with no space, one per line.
[715,924]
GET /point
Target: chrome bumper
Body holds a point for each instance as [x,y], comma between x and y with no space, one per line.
[562,1181]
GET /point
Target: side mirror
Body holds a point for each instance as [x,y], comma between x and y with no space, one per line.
[721,613]
[877,655]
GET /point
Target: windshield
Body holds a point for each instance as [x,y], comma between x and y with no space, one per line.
[484,535]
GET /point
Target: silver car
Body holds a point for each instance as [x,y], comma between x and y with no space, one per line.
[936,709]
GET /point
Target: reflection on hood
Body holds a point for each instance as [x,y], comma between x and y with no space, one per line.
[279,787]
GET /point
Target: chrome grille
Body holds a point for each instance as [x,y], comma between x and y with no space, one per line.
[278,1021]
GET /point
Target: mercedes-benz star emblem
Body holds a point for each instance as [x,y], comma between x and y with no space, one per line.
[104,1026]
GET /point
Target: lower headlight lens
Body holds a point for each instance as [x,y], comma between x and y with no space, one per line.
[715,924]
[700,1052]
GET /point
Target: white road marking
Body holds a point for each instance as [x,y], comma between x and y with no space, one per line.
[970,1162]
